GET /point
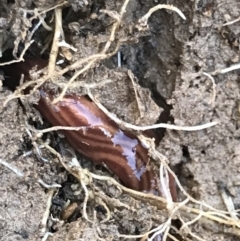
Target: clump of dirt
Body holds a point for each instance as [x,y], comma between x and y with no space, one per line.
[171,71]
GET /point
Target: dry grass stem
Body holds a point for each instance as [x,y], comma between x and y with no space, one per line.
[56,39]
[229,204]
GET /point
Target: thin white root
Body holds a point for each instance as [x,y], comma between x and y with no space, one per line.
[214,87]
[12,168]
[232,22]
[144,128]
[47,212]
[55,185]
[46,235]
[226,70]
[143,21]
[27,45]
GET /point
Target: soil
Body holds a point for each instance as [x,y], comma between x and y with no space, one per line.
[168,61]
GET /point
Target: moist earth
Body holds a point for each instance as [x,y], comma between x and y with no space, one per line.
[171,62]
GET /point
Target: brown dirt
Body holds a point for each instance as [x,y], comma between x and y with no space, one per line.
[169,59]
